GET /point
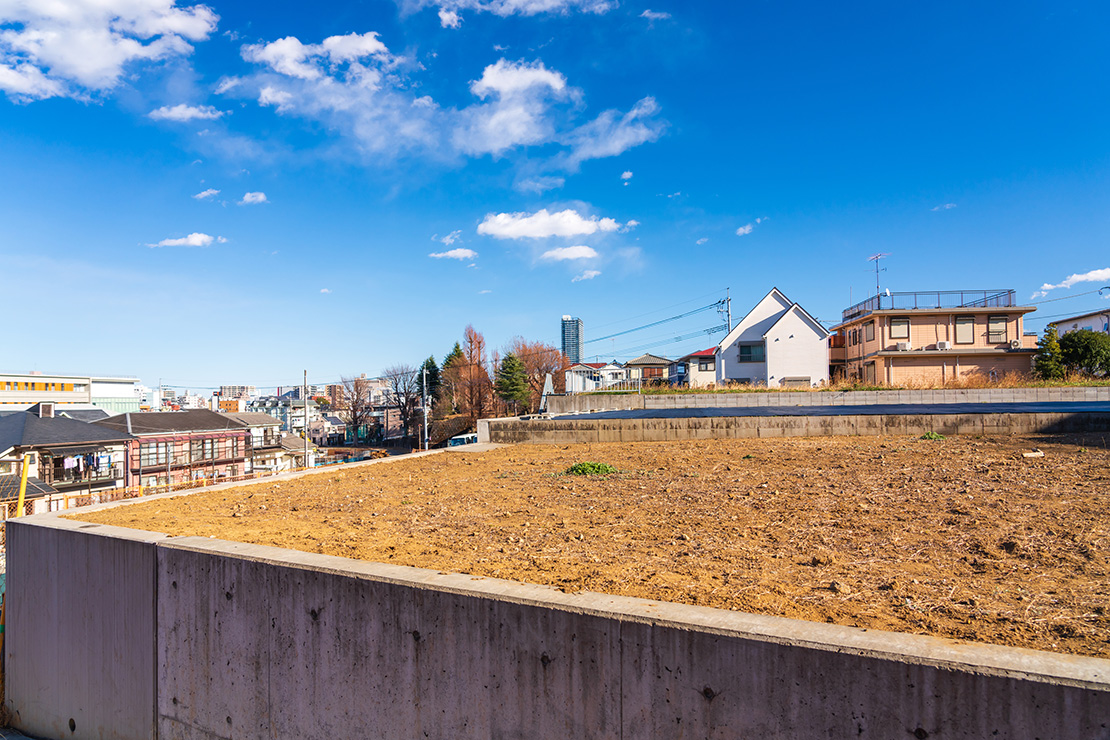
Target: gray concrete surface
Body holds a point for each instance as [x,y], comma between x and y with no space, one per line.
[726,423]
[259,642]
[79,638]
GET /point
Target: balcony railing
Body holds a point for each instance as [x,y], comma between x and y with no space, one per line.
[933,299]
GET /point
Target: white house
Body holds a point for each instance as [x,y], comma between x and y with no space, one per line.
[777,344]
[695,370]
[1096,321]
[584,377]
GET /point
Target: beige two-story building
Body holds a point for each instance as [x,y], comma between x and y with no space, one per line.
[932,337]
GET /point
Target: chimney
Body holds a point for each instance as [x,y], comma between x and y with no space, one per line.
[46,410]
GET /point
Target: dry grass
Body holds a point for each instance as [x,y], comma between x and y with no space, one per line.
[974,381]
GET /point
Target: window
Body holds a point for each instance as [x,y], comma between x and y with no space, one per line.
[706,365]
[753,352]
[653,372]
[965,330]
[153,453]
[899,328]
[234,447]
[996,329]
[869,331]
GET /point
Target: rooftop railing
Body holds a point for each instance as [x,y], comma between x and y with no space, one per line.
[932,299]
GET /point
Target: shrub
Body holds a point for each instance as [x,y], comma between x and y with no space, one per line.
[590,468]
[934,436]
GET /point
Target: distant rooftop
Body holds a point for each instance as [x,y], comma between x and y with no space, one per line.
[926,299]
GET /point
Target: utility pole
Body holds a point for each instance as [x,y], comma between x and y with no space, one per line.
[424,403]
[728,305]
[304,400]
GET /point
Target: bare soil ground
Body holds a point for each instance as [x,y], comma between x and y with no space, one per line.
[963,538]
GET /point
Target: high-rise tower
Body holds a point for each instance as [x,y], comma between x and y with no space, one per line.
[572,339]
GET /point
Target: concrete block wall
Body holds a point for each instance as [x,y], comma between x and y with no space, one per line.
[569,430]
[241,641]
[625,401]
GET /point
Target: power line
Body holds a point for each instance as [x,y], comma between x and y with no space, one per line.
[657,310]
[657,323]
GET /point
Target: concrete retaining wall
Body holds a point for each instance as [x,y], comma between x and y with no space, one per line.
[625,401]
[569,430]
[197,638]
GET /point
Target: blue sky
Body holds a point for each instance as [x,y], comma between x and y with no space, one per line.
[234,192]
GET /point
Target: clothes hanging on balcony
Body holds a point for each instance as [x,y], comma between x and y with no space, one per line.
[69,463]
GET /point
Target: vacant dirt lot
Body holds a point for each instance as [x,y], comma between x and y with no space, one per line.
[964,537]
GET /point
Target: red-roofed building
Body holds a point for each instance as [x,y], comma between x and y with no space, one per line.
[695,370]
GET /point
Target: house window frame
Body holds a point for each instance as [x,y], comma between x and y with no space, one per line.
[898,326]
[706,366]
[750,346]
[869,331]
[998,337]
[964,321]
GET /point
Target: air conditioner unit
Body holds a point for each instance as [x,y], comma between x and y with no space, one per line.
[1015,344]
[944,345]
[904,347]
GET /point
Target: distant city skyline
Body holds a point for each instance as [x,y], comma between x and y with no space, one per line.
[227,193]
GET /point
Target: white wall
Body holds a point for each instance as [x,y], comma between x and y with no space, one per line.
[750,329]
[794,349]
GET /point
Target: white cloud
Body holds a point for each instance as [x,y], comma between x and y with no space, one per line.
[505,8]
[183,112]
[626,175]
[675,195]
[205,194]
[587,275]
[455,254]
[288,56]
[943,207]
[449,18]
[325,290]
[703,240]
[614,133]
[484,292]
[1094,276]
[77,47]
[629,226]
[745,229]
[539,184]
[580,252]
[518,95]
[192,240]
[542,224]
[450,239]
[653,15]
[250,199]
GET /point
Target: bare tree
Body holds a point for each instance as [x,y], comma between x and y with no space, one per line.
[540,359]
[404,388]
[354,404]
[475,382]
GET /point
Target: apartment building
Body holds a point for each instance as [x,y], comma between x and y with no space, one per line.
[20,391]
[932,337]
[177,446]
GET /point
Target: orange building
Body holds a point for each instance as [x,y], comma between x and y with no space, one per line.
[932,337]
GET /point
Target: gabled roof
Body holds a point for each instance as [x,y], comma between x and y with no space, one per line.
[162,422]
[28,430]
[648,359]
[253,419]
[591,365]
[711,352]
[9,487]
[799,311]
[751,320]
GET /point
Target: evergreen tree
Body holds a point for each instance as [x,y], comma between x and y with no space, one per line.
[1048,362]
[429,370]
[1085,351]
[512,382]
[450,380]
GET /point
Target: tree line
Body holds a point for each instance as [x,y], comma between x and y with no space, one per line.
[472,381]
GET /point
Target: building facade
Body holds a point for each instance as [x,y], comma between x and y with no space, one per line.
[572,339]
[777,344]
[113,394]
[933,337]
[1096,321]
[177,446]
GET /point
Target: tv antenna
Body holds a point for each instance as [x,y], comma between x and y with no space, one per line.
[875,258]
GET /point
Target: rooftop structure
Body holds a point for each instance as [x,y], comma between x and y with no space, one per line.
[931,299]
